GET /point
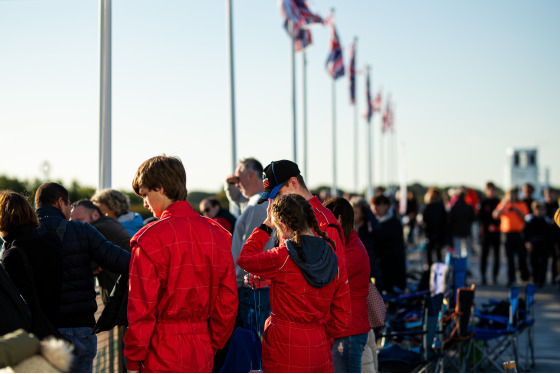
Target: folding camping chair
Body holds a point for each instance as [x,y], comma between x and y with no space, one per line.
[527,322]
[458,268]
[413,349]
[456,329]
[495,334]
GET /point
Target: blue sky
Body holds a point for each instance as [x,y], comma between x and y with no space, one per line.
[468,80]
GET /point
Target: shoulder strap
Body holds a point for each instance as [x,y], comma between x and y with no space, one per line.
[61,229]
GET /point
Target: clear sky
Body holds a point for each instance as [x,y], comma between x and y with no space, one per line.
[468,79]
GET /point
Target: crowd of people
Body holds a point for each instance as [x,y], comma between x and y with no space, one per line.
[295,269]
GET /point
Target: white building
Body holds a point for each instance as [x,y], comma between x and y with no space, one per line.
[522,167]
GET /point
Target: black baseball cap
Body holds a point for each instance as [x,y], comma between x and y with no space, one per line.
[274,175]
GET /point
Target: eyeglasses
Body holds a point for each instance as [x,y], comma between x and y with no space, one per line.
[206,210]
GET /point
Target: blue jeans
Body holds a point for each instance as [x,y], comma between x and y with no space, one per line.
[350,359]
[247,313]
[85,347]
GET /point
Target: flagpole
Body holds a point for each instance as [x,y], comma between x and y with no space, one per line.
[293,56]
[334,191]
[304,77]
[369,145]
[104,94]
[355,123]
[229,19]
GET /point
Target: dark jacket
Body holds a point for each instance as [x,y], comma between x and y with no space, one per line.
[461,218]
[13,309]
[367,232]
[34,266]
[390,250]
[81,245]
[434,218]
[117,234]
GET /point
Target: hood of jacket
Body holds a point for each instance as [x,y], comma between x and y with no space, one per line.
[321,265]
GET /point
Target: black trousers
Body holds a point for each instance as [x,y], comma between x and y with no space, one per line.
[516,247]
[490,243]
[539,262]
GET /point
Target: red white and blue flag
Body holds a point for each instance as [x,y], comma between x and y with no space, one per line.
[369,102]
[335,63]
[298,12]
[352,73]
[388,118]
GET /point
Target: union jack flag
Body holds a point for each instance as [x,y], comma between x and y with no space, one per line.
[369,102]
[335,63]
[388,118]
[298,12]
[352,71]
[377,102]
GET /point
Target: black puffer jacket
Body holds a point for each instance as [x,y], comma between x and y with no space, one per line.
[82,244]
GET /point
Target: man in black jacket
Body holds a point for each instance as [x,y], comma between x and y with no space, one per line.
[81,244]
[86,211]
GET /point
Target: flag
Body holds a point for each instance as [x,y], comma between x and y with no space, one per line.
[298,12]
[335,63]
[377,102]
[369,112]
[352,73]
[388,118]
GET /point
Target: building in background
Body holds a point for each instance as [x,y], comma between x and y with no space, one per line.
[522,167]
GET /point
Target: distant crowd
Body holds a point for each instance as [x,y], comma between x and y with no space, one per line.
[285,275]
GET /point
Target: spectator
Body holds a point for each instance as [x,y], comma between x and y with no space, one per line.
[527,191]
[390,246]
[434,219]
[183,296]
[349,345]
[115,204]
[310,299]
[551,204]
[249,179]
[536,234]
[81,244]
[490,230]
[409,219]
[86,211]
[211,208]
[368,228]
[461,217]
[283,177]
[31,261]
[511,212]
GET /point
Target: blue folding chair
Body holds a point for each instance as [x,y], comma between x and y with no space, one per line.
[495,334]
[527,322]
[413,349]
[458,267]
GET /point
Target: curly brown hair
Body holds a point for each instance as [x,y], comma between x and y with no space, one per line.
[296,212]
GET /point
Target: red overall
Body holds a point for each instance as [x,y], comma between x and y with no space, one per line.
[183,293]
[303,318]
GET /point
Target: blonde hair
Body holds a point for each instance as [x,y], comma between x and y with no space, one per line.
[115,200]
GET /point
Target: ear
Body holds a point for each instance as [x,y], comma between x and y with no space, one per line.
[59,203]
[95,215]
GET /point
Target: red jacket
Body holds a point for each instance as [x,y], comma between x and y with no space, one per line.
[303,317]
[358,269]
[183,293]
[328,222]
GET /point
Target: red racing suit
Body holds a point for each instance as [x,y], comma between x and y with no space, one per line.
[328,223]
[183,293]
[303,318]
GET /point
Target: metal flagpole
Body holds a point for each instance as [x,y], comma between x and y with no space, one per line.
[304,77]
[294,123]
[334,189]
[231,85]
[355,123]
[105,94]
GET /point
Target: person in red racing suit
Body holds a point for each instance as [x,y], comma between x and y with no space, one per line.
[309,293]
[183,293]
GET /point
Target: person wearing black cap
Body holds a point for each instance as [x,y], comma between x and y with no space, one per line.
[283,177]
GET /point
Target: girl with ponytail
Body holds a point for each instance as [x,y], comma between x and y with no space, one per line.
[309,295]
